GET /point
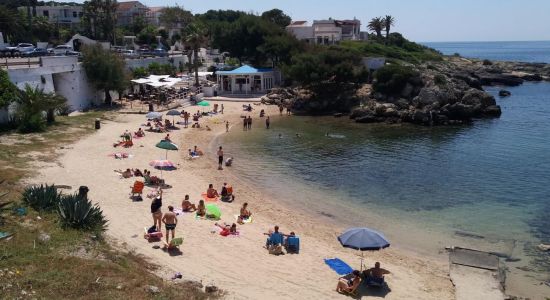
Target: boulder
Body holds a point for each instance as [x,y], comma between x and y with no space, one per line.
[367,119]
[492,111]
[211,289]
[153,289]
[402,103]
[496,79]
[532,77]
[504,93]
[459,111]
[474,97]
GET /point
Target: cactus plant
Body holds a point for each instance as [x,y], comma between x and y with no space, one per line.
[79,213]
[43,197]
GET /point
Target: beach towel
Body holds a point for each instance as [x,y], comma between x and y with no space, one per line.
[120,155]
[339,266]
[249,220]
[208,199]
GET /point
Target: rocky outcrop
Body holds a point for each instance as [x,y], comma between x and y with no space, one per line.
[504,93]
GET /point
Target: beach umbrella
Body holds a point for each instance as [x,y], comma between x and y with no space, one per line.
[363,239]
[214,210]
[173,113]
[161,164]
[167,145]
[153,115]
[203,103]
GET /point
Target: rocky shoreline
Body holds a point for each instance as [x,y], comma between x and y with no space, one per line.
[441,93]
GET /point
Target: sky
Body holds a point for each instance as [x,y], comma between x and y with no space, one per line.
[418,20]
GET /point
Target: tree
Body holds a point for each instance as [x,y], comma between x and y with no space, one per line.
[9,92]
[104,69]
[280,48]
[32,103]
[173,17]
[277,16]
[11,23]
[376,25]
[195,36]
[388,21]
[147,35]
[99,19]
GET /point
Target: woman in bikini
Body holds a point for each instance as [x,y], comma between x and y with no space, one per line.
[245,214]
[227,229]
[211,192]
[349,285]
[201,209]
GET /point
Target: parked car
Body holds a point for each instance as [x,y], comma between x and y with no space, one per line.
[145,51]
[36,52]
[22,47]
[60,49]
[73,53]
[129,54]
[117,49]
[160,52]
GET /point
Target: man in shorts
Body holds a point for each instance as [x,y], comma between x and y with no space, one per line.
[170,221]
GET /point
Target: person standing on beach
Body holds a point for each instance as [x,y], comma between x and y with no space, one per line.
[288,110]
[249,123]
[222,109]
[245,123]
[226,123]
[220,158]
[155,210]
[186,118]
[281,109]
[170,221]
[267,122]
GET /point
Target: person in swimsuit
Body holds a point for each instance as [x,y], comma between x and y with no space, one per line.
[186,205]
[211,192]
[227,229]
[170,221]
[349,285]
[220,158]
[226,125]
[197,151]
[245,123]
[267,122]
[126,174]
[375,274]
[201,209]
[245,214]
[155,210]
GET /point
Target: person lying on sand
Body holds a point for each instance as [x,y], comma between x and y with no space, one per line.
[137,173]
[201,209]
[211,192]
[245,214]
[124,174]
[349,285]
[375,274]
[187,206]
[227,229]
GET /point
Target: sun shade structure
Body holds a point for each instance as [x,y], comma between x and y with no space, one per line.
[203,103]
[157,80]
[153,115]
[363,239]
[167,145]
[173,113]
[214,210]
[246,80]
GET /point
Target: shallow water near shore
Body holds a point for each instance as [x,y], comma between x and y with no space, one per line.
[484,185]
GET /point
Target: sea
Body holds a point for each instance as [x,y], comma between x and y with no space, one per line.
[484,186]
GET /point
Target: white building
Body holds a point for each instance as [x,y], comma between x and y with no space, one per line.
[246,80]
[60,14]
[327,32]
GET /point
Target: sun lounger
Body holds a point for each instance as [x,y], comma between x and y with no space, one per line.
[174,243]
[137,190]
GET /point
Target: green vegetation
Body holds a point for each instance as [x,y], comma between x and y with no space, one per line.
[9,92]
[195,35]
[105,70]
[41,198]
[154,69]
[99,19]
[391,79]
[78,212]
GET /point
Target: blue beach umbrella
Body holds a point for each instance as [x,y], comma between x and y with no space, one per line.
[153,115]
[363,239]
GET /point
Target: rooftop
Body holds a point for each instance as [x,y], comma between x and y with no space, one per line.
[245,69]
[128,5]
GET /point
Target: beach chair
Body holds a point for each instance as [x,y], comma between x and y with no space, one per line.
[137,189]
[275,243]
[174,243]
[292,244]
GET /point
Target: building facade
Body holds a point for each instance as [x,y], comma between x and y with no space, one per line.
[327,32]
[246,80]
[60,14]
[128,11]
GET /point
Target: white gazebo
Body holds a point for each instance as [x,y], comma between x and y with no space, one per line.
[245,80]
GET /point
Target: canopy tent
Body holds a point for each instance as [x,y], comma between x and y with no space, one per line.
[158,80]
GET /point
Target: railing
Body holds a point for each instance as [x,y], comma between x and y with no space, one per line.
[19,62]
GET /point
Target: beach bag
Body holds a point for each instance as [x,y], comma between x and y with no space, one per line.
[152,229]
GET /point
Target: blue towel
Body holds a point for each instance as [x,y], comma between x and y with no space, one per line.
[339,266]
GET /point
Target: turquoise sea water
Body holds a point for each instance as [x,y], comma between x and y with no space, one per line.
[485,185]
[534,51]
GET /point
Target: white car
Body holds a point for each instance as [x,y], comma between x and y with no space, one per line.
[61,49]
[129,54]
[24,47]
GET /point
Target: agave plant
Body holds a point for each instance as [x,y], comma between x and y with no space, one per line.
[43,197]
[78,212]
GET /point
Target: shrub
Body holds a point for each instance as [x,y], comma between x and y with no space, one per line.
[440,80]
[43,197]
[34,123]
[78,212]
[391,79]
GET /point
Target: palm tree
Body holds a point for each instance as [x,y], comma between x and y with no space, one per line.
[33,102]
[195,36]
[388,21]
[376,25]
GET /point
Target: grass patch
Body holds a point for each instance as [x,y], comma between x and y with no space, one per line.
[72,264]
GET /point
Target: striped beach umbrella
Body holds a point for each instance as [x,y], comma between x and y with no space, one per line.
[161,164]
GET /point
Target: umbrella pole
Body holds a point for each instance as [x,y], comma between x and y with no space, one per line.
[362,257]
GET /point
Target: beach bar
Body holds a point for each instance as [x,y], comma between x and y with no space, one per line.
[245,80]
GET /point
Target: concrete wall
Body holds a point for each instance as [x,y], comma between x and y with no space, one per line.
[144,62]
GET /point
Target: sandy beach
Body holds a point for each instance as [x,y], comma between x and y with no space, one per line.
[239,265]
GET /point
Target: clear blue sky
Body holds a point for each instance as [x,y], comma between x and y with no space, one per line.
[419,20]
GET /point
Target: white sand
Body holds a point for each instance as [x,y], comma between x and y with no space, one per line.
[239,265]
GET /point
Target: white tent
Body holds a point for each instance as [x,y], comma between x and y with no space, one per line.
[158,80]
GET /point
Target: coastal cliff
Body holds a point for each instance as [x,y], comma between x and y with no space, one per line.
[432,93]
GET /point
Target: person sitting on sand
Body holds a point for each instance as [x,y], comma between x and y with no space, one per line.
[191,154]
[170,221]
[227,229]
[349,285]
[148,124]
[211,192]
[201,209]
[137,173]
[197,151]
[167,123]
[167,138]
[125,174]
[187,206]
[245,214]
[140,133]
[227,193]
[375,274]
[208,128]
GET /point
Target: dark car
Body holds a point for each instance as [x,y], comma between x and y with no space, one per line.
[160,52]
[36,52]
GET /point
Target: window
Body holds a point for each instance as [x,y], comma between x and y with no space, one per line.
[46,13]
[75,14]
[319,40]
[80,14]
